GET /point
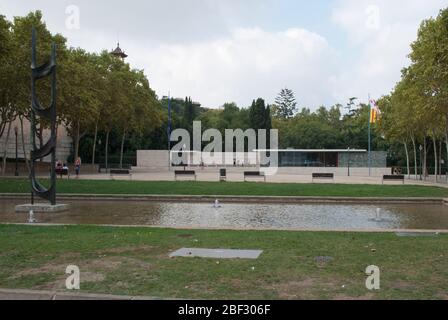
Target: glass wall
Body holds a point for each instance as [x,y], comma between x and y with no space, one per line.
[308,159]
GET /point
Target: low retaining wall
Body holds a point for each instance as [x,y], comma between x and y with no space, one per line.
[43,168]
[338,172]
[237,199]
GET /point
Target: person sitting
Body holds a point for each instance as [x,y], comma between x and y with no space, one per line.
[59,168]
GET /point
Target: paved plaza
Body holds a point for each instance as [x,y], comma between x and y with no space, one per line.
[237,176]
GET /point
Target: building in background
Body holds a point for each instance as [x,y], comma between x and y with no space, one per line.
[330,158]
[290,161]
[63,148]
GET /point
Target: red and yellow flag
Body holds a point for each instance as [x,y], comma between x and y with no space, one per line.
[374,111]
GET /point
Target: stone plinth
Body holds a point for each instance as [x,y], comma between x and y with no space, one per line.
[217,253]
[42,208]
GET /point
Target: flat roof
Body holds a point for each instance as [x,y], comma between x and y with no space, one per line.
[284,150]
[313,150]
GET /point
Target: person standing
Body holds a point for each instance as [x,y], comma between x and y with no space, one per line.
[78,166]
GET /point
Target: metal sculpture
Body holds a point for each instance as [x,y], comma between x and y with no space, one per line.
[38,112]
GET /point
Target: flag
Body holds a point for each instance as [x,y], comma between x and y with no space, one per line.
[374,111]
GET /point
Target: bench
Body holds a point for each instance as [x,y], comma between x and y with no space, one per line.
[222,175]
[394,177]
[323,176]
[63,172]
[184,173]
[254,174]
[102,167]
[120,172]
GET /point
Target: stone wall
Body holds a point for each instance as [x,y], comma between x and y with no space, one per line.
[152,158]
[159,159]
[361,160]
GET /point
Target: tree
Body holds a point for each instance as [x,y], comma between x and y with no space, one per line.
[258,115]
[81,101]
[18,70]
[429,58]
[285,104]
[7,112]
[141,113]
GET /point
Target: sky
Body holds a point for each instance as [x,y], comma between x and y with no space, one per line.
[219,51]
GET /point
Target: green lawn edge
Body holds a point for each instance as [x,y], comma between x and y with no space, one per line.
[107,187]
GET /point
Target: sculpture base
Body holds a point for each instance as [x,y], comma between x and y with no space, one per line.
[42,208]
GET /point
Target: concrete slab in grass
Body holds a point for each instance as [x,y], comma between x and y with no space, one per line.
[217,253]
[417,234]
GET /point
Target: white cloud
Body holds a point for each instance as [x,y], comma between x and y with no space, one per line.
[381,51]
[205,49]
[249,63]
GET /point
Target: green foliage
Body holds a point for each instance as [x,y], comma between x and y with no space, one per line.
[416,112]
[327,129]
[94,91]
[260,116]
[285,104]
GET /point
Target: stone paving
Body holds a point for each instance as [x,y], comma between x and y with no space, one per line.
[207,176]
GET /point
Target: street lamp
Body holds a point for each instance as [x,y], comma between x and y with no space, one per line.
[16,130]
[421,162]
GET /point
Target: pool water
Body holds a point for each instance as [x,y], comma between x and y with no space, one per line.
[241,216]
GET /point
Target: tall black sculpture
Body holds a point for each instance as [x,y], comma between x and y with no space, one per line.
[38,112]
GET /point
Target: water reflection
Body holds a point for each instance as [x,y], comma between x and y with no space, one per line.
[335,217]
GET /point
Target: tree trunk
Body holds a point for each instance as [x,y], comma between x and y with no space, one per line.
[23,145]
[41,137]
[446,140]
[122,148]
[425,169]
[436,164]
[407,159]
[77,141]
[94,144]
[107,151]
[440,159]
[5,150]
[415,157]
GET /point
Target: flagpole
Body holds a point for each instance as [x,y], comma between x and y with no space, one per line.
[370,138]
[169,131]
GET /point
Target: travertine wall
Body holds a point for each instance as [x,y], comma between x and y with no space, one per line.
[63,148]
[158,160]
[152,158]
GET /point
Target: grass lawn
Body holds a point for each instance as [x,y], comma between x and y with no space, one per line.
[228,188]
[134,261]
